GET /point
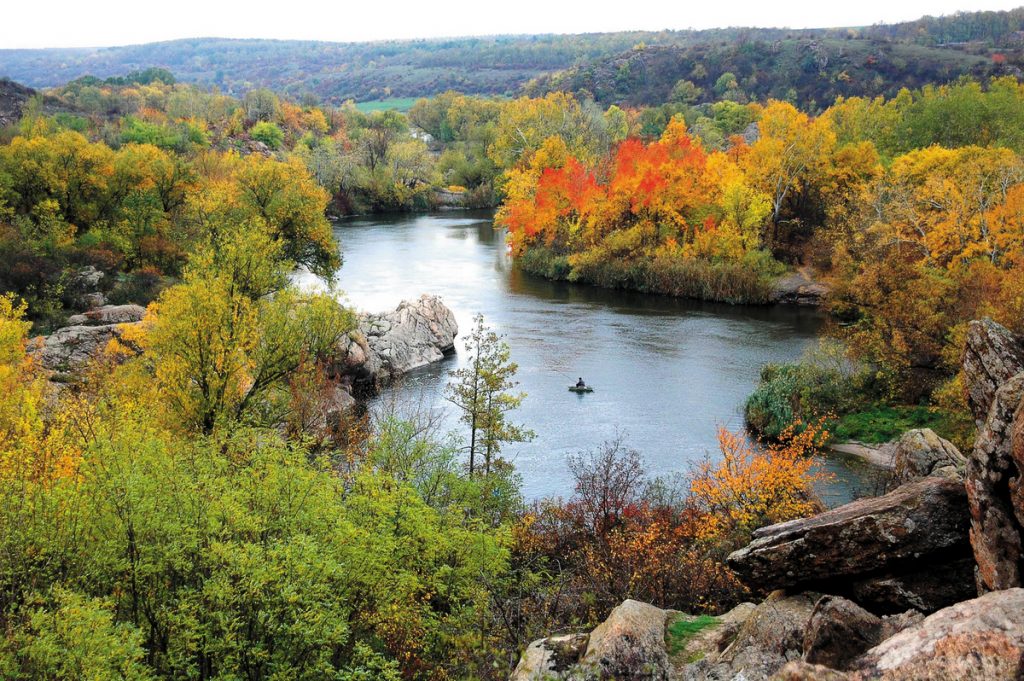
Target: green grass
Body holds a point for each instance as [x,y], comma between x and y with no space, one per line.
[402,104]
[682,630]
[883,423]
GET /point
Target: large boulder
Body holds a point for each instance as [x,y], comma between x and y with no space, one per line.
[629,645]
[550,658]
[920,453]
[992,356]
[980,639]
[387,345]
[770,636]
[70,348]
[109,314]
[839,631]
[993,488]
[902,535]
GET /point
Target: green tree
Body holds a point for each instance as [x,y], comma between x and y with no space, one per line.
[481,391]
[268,133]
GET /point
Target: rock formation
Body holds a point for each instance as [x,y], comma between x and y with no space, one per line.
[387,345]
[896,539]
[992,356]
[920,453]
[994,380]
[980,639]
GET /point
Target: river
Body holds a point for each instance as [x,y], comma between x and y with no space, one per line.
[666,372]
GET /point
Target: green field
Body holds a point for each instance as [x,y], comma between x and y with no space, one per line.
[402,104]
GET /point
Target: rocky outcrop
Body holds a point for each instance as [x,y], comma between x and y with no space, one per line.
[71,347]
[387,345]
[920,453]
[839,631]
[993,487]
[770,636]
[798,289]
[993,369]
[629,645]
[109,314]
[980,639]
[711,641]
[992,356]
[550,658]
[13,97]
[902,535]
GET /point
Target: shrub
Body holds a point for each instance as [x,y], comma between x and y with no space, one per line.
[268,133]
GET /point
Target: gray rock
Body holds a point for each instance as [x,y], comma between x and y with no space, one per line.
[996,501]
[772,635]
[109,314]
[708,643]
[387,345]
[629,645]
[550,658]
[798,670]
[839,631]
[899,534]
[920,453]
[88,278]
[980,639]
[932,585]
[992,356]
[71,347]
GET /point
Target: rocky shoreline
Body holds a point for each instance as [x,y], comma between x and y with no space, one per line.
[382,347]
[924,582]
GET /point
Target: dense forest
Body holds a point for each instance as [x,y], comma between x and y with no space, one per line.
[632,67]
[190,504]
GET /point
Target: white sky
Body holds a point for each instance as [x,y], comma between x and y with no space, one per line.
[86,23]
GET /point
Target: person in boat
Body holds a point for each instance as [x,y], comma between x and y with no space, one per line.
[580,384]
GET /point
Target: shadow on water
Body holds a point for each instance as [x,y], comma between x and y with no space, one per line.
[667,372]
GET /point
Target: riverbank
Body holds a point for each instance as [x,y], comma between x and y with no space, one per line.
[757,279]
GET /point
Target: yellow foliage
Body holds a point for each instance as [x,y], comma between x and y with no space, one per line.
[753,486]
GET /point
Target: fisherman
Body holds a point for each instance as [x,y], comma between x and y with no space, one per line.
[580,383]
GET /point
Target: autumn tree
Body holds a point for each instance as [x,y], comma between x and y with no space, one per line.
[480,390]
[223,343]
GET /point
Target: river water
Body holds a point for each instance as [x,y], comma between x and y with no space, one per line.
[666,372]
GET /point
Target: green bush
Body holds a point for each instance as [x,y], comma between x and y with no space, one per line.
[268,133]
[800,392]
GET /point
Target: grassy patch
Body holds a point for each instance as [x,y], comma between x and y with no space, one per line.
[401,104]
[683,629]
[883,423]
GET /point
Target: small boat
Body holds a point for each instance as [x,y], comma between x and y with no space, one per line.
[578,390]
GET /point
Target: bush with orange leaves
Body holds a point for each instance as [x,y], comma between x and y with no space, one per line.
[752,486]
[621,536]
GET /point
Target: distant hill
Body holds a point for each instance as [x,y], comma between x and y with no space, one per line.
[633,67]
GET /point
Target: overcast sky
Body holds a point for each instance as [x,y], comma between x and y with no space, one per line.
[84,23]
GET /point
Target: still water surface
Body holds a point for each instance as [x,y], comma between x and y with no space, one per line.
[666,372]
